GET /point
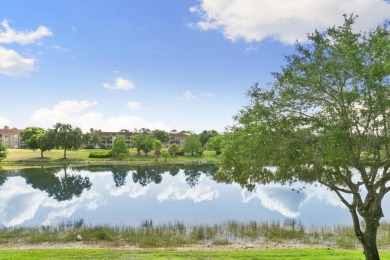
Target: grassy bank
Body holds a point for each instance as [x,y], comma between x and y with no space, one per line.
[177,241]
[178,235]
[302,254]
[55,157]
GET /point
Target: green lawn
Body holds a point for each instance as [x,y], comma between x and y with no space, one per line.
[301,254]
[34,157]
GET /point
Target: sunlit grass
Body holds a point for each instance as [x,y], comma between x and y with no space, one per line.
[302,254]
[30,157]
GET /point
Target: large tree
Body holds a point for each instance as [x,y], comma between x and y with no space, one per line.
[30,135]
[46,141]
[216,143]
[205,135]
[192,144]
[67,137]
[325,119]
[173,149]
[37,138]
[119,146]
[147,144]
[92,139]
[136,142]
[161,135]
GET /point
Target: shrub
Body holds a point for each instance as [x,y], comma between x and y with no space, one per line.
[99,154]
[180,153]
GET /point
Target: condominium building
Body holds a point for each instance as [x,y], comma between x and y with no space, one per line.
[11,138]
[109,137]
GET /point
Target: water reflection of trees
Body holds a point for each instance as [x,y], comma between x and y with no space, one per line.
[146,174]
[65,187]
[59,187]
[3,177]
[119,175]
[193,172]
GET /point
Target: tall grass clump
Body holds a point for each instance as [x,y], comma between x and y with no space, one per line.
[149,234]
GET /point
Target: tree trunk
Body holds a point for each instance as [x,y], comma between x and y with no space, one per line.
[64,153]
[369,239]
[369,245]
[41,154]
[371,211]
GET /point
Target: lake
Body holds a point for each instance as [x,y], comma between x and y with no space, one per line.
[127,195]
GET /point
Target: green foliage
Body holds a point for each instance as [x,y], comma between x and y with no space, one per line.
[205,136]
[173,149]
[216,143]
[119,146]
[67,137]
[3,151]
[30,135]
[38,138]
[143,142]
[165,154]
[136,141]
[147,144]
[192,144]
[326,119]
[46,141]
[99,155]
[92,139]
[161,135]
[200,152]
[157,145]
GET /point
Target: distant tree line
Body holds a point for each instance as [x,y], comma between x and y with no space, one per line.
[66,136]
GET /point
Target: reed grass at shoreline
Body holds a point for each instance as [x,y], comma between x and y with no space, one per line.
[177,234]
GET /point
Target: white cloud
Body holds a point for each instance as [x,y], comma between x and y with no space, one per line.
[120,84]
[198,193]
[284,20]
[68,111]
[188,96]
[134,190]
[323,194]
[12,64]
[9,35]
[14,192]
[4,121]
[134,105]
[280,199]
[75,112]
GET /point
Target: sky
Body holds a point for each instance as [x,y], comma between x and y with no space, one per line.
[131,64]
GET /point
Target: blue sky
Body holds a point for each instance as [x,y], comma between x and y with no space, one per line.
[171,64]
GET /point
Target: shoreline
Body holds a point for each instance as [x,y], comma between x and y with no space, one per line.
[286,245]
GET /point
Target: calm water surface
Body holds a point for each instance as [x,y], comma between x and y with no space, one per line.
[124,195]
